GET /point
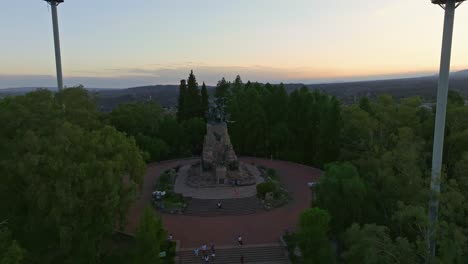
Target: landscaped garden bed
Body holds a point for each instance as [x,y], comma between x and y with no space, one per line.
[272,192]
[164,197]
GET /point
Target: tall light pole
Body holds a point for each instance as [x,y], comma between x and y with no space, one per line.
[442,91]
[58,57]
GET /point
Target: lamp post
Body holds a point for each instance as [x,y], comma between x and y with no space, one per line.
[58,58]
[442,91]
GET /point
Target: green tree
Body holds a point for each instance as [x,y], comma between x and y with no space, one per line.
[10,251]
[329,131]
[193,103]
[172,133]
[62,181]
[237,84]
[149,236]
[194,131]
[365,104]
[182,105]
[347,204]
[222,89]
[142,121]
[452,232]
[313,238]
[372,244]
[204,100]
[137,118]
[455,98]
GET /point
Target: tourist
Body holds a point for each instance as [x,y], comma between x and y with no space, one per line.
[239,240]
[242,259]
[213,250]
[170,237]
[195,251]
[207,259]
[219,205]
[203,248]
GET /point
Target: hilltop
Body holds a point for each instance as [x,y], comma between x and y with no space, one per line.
[166,95]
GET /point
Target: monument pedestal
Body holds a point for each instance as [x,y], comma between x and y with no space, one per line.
[221,173]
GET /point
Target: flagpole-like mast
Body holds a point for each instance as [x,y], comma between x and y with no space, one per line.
[58,57]
[442,92]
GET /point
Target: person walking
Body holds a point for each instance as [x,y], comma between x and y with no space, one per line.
[203,248]
[239,240]
[207,259]
[195,251]
[219,205]
[213,253]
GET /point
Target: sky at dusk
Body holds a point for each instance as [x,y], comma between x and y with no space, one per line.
[123,43]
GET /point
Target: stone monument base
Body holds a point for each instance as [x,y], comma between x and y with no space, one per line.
[221,176]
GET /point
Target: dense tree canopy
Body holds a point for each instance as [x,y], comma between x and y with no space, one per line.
[378,199]
[342,193]
[302,126]
[191,103]
[149,237]
[62,175]
[313,237]
[10,250]
[68,172]
[158,133]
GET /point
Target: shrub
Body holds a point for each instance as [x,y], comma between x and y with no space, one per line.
[166,180]
[264,188]
[271,173]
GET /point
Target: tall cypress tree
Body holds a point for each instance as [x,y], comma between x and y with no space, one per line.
[204,100]
[182,107]
[237,83]
[222,92]
[222,89]
[193,99]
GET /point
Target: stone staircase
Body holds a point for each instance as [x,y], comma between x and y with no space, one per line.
[264,254]
[208,207]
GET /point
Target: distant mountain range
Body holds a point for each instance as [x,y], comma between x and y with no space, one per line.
[166,95]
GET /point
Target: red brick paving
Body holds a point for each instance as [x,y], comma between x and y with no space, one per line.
[260,228]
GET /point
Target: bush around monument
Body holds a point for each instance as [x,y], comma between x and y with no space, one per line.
[264,188]
[171,202]
[166,180]
[272,184]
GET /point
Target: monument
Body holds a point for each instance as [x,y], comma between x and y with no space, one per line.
[219,164]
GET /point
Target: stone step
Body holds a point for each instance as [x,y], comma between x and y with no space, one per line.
[252,254]
[208,207]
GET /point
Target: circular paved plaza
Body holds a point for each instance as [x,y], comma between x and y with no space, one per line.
[260,228]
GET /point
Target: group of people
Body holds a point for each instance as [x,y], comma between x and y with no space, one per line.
[209,255]
[205,254]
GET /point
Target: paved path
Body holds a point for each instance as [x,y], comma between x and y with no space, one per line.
[224,192]
[260,228]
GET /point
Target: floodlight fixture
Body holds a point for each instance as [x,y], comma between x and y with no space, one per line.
[54,1]
[442,3]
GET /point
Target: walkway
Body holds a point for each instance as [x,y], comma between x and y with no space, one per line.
[260,228]
[208,207]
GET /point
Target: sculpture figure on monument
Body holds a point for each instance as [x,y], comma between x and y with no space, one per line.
[217,111]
